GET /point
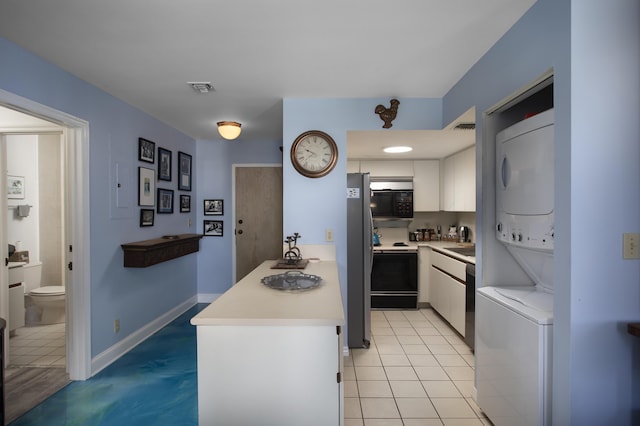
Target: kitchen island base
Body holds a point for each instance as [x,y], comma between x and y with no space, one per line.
[282,375]
[272,357]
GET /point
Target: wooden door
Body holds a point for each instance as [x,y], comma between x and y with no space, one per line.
[258,216]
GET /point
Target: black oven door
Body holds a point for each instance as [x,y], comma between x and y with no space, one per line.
[394,280]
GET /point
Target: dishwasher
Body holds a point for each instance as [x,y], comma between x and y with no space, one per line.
[470,305]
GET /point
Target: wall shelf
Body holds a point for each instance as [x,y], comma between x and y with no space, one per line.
[633,328]
[141,254]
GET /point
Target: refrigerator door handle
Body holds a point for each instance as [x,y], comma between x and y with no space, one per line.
[370,241]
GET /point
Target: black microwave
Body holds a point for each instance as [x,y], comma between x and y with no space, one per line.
[392,200]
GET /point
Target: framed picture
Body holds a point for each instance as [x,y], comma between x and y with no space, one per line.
[184,171]
[146,150]
[164,164]
[212,228]
[15,187]
[165,200]
[185,203]
[146,217]
[146,187]
[213,207]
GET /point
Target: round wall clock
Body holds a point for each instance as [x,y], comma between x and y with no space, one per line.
[314,154]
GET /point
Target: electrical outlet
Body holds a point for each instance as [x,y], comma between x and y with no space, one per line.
[328,235]
[116,326]
[631,246]
[189,222]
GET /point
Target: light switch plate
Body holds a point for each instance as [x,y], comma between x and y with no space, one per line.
[631,246]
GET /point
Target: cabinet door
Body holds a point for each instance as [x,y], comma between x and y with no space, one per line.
[466,180]
[424,264]
[458,301]
[448,184]
[439,292]
[426,185]
[386,168]
[459,184]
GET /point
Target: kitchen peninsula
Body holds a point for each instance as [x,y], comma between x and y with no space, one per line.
[271,357]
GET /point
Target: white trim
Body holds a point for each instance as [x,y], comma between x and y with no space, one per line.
[78,217]
[208,297]
[114,352]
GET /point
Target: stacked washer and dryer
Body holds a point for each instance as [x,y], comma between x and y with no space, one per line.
[514,324]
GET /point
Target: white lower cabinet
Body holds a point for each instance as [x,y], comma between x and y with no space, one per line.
[447,289]
[424,287]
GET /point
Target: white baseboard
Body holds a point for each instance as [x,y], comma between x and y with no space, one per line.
[207,297]
[110,355]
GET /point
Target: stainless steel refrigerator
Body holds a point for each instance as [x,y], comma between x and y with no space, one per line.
[359,260]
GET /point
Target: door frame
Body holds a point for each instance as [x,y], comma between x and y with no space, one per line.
[77,229]
[233,204]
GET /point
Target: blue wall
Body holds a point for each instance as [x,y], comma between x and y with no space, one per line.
[593,48]
[135,296]
[313,205]
[215,177]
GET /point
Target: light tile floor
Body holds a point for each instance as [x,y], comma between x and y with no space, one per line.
[38,346]
[417,372]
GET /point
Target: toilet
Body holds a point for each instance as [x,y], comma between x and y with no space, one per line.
[50,301]
[44,305]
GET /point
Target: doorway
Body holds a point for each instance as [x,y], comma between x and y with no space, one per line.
[75,137]
[257,216]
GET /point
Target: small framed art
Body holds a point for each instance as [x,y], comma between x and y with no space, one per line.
[165,201]
[213,207]
[15,187]
[146,186]
[146,217]
[184,171]
[185,203]
[164,164]
[146,150]
[212,228]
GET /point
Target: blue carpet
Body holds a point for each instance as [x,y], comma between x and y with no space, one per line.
[153,384]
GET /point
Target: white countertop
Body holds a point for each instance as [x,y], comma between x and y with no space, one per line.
[249,302]
[442,247]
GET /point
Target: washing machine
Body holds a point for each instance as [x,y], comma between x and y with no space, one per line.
[514,324]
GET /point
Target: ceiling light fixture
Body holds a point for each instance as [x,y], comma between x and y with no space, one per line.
[397,149]
[229,129]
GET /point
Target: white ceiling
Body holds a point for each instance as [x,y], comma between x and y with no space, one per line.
[255,53]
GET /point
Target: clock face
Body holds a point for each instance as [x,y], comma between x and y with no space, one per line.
[314,154]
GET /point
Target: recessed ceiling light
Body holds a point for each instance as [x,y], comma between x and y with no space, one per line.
[397,149]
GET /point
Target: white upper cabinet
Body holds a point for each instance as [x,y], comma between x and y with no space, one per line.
[387,168]
[426,185]
[459,181]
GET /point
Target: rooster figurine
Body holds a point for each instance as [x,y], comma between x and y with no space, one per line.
[388,114]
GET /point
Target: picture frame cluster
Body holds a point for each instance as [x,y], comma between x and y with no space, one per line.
[152,197]
[155,198]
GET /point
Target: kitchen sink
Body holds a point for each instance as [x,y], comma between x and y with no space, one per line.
[465,251]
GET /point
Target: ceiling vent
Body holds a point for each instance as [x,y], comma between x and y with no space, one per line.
[201,86]
[465,126]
